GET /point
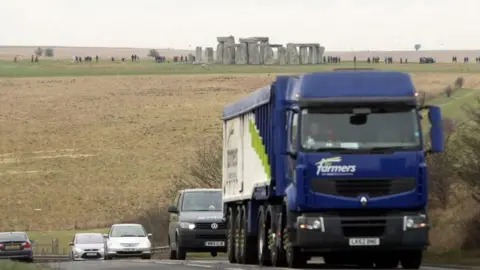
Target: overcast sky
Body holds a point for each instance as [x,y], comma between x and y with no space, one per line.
[336,24]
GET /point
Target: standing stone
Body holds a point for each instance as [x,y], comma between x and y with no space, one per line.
[321,51]
[209,54]
[268,57]
[229,50]
[219,53]
[312,52]
[198,54]
[190,58]
[292,54]
[282,55]
[241,56]
[253,53]
[303,55]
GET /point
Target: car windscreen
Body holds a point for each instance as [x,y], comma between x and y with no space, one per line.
[89,239]
[7,237]
[202,201]
[127,231]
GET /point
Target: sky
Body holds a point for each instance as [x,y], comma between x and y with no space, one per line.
[339,25]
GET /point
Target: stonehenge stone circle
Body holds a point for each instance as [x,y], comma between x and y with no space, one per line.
[259,51]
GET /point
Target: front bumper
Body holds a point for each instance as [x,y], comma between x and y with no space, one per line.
[198,240]
[128,251]
[88,255]
[314,233]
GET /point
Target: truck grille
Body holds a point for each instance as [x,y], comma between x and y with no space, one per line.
[372,227]
[356,187]
[208,226]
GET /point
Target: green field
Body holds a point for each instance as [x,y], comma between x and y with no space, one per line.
[47,68]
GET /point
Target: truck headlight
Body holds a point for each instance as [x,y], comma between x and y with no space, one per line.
[187,225]
[311,223]
[414,222]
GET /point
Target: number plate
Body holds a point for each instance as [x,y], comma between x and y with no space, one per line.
[215,244]
[12,247]
[91,254]
[130,249]
[364,241]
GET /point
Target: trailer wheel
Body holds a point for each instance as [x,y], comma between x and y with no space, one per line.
[239,244]
[263,252]
[249,245]
[231,235]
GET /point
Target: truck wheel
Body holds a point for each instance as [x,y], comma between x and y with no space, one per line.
[295,258]
[181,254]
[231,236]
[263,252]
[386,262]
[249,250]
[278,251]
[239,244]
[411,260]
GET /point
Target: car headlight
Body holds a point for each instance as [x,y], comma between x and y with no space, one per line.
[187,225]
[311,223]
[414,222]
[101,250]
[78,250]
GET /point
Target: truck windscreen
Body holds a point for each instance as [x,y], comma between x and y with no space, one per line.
[324,129]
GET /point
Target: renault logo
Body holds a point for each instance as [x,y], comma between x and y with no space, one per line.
[363,201]
[214,226]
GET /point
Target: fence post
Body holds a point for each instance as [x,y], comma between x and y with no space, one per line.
[54,246]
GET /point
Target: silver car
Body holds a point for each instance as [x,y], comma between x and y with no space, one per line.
[86,246]
[128,240]
[16,246]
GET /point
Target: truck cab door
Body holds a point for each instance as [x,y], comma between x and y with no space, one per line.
[292,131]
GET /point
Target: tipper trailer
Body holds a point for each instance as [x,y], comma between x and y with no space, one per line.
[328,164]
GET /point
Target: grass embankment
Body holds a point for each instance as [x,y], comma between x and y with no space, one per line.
[50,68]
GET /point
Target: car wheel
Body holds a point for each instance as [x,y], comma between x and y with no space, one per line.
[214,253]
[172,253]
[146,257]
[181,254]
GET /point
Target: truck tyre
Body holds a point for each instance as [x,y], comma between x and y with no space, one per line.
[278,254]
[263,252]
[231,236]
[295,258]
[248,250]
[386,262]
[181,254]
[238,236]
[411,260]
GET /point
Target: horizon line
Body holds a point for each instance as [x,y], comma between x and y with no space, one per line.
[181,49]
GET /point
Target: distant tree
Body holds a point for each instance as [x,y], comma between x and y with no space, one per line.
[152,53]
[417,47]
[49,52]
[38,51]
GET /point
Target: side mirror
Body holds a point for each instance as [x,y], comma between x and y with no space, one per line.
[436,129]
[149,235]
[70,244]
[105,235]
[173,209]
[32,241]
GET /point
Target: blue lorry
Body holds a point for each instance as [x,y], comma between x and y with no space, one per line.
[328,164]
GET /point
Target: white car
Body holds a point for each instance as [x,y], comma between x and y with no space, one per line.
[128,240]
[86,246]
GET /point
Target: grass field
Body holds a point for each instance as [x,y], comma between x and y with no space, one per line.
[48,68]
[81,152]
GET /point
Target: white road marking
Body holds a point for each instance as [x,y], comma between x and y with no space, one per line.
[239,268]
[198,265]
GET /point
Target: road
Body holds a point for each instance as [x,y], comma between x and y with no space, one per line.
[174,265]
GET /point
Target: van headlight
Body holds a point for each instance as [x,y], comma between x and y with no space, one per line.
[311,223]
[187,225]
[414,222]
